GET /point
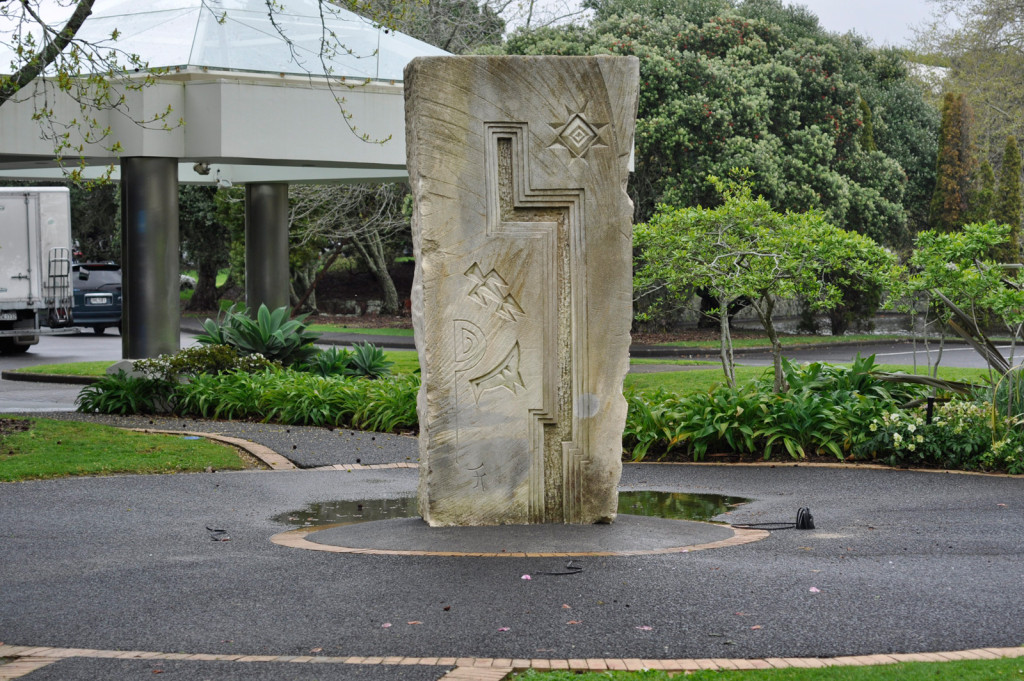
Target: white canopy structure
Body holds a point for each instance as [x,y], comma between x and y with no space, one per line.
[266,93]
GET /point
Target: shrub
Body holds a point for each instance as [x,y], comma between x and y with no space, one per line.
[827,409]
[123,394]
[271,334]
[327,362]
[201,359]
[368,361]
[301,398]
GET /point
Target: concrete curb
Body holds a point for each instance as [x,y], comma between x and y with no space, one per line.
[48,378]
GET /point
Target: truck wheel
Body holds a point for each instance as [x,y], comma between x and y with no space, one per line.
[98,330]
[9,347]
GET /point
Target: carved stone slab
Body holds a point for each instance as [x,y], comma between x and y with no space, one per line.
[522,300]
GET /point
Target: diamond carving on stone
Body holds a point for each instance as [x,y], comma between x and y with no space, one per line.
[577,136]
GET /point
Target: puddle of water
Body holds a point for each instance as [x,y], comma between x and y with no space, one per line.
[677,505]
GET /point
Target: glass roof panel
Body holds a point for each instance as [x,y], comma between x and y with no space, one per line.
[239,35]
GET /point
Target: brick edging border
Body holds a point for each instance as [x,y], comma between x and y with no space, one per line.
[28,659]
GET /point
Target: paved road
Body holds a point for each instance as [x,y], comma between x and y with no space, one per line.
[86,347]
[900,562]
[953,355]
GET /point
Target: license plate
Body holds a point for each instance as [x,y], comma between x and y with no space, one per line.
[8,316]
[104,300]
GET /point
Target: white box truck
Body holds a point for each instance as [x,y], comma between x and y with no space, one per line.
[35,264]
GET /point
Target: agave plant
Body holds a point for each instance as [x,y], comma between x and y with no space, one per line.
[271,334]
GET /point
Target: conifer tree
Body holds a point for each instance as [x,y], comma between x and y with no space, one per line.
[867,133]
[954,166]
[1008,207]
[982,200]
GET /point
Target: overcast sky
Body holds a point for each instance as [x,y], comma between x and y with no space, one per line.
[886,22]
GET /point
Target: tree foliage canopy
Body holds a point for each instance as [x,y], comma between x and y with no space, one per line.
[722,90]
[743,249]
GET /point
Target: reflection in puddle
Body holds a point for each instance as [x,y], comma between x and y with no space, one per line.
[677,505]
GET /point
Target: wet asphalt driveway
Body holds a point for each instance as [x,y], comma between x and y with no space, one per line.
[901,562]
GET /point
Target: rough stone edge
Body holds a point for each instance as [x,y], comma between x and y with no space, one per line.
[297,539]
[264,454]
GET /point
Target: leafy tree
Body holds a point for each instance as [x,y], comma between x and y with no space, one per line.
[955,266]
[204,241]
[1007,208]
[954,166]
[982,42]
[739,92]
[367,218]
[744,249]
[94,221]
[458,26]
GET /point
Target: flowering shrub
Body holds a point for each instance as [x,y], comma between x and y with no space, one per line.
[960,436]
[1007,452]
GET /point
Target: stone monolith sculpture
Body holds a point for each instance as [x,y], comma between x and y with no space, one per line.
[522,300]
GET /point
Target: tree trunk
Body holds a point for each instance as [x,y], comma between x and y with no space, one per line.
[728,361]
[205,295]
[764,307]
[372,250]
[303,279]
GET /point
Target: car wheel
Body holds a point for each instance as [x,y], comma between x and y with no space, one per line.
[98,330]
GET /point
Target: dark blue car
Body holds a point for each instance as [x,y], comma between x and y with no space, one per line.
[97,295]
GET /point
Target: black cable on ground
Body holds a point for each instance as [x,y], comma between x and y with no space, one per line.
[804,521]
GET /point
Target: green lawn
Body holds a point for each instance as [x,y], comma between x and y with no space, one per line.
[970,670]
[333,328]
[69,369]
[786,341]
[54,449]
[705,379]
[406,362]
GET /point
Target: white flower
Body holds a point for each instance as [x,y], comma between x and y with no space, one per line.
[911,446]
[911,427]
[897,438]
[920,438]
[951,266]
[873,427]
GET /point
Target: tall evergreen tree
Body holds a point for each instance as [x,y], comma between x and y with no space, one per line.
[982,200]
[867,133]
[954,166]
[1008,207]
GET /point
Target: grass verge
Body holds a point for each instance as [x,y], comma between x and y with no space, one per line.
[787,341]
[406,362]
[69,369]
[332,328]
[684,382]
[968,670]
[54,449]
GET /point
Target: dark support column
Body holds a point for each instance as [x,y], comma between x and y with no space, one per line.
[266,246]
[151,316]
